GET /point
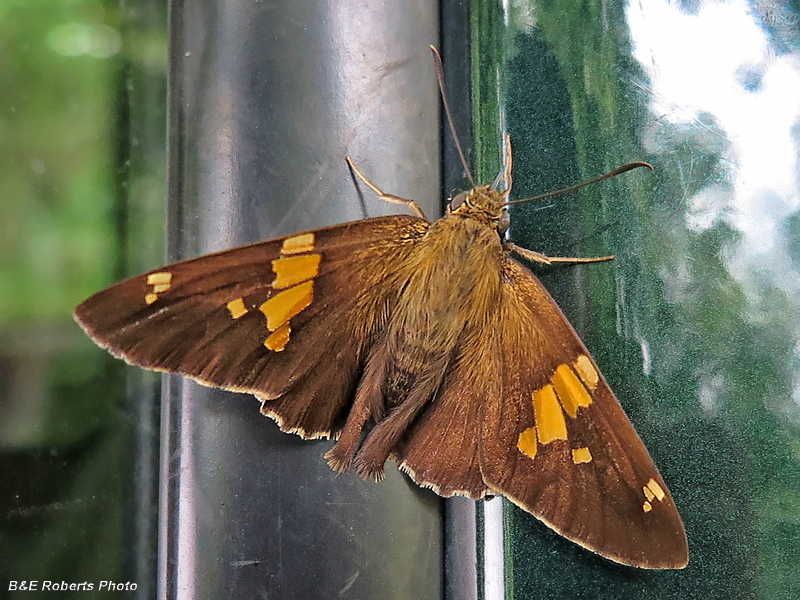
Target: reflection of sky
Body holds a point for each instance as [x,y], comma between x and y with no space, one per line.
[720,62]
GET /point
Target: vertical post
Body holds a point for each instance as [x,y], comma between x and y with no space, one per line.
[266,100]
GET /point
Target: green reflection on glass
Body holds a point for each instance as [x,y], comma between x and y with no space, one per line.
[704,362]
[82,98]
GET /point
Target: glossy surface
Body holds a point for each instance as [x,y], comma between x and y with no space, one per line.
[695,324]
[266,103]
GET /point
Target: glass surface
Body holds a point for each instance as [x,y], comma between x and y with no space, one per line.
[81,130]
[695,324]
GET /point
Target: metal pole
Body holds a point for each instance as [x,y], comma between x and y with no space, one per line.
[266,100]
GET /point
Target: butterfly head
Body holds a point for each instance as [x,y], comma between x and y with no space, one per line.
[482,203]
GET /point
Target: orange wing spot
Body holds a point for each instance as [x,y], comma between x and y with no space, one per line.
[278,340]
[648,493]
[237,308]
[527,442]
[570,390]
[659,493]
[162,278]
[652,491]
[550,424]
[161,282]
[583,365]
[581,455]
[292,270]
[282,307]
[298,244]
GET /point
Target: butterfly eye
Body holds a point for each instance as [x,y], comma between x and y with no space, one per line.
[458,200]
[503,223]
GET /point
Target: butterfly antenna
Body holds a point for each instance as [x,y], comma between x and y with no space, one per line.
[437,61]
[572,188]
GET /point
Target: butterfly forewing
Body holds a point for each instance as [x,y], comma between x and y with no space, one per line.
[260,318]
[556,441]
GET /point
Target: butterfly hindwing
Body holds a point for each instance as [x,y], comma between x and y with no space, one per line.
[556,441]
[441,450]
[278,319]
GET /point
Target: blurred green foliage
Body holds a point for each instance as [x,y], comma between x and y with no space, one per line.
[82,101]
[56,137]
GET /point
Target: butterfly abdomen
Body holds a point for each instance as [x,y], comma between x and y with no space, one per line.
[450,282]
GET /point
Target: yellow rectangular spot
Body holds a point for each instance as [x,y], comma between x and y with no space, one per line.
[237,308]
[285,305]
[656,489]
[527,442]
[583,365]
[150,298]
[162,278]
[647,507]
[277,341]
[298,244]
[648,493]
[581,455]
[550,424]
[292,270]
[161,287]
[570,390]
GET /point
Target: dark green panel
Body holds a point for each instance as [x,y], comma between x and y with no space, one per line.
[693,325]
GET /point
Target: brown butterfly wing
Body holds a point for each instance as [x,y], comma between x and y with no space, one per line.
[587,476]
[441,448]
[280,319]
